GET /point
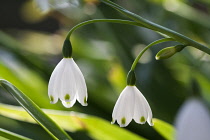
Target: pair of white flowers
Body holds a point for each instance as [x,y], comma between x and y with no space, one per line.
[67,83]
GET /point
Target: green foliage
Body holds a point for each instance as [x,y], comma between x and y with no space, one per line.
[50,126]
[95,127]
[11,136]
[104,52]
[164,128]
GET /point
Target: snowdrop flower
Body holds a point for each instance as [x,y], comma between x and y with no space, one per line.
[193,121]
[67,83]
[131,105]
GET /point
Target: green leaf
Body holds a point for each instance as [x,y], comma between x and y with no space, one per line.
[48,124]
[165,129]
[15,72]
[3,138]
[11,136]
[96,128]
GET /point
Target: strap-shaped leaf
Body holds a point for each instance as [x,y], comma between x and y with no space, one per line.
[165,129]
[94,127]
[12,136]
[47,123]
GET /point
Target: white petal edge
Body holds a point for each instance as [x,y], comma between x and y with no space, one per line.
[69,104]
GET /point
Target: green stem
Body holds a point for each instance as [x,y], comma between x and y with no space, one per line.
[67,47]
[150,25]
[146,48]
[102,20]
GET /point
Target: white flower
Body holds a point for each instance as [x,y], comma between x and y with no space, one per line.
[67,83]
[47,5]
[131,105]
[193,121]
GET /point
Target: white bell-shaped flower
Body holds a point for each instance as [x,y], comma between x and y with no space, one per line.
[193,121]
[131,105]
[67,83]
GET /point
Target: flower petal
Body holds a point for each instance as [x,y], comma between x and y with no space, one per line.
[123,110]
[142,110]
[54,82]
[81,88]
[68,85]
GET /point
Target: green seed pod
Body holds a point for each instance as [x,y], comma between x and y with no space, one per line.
[168,52]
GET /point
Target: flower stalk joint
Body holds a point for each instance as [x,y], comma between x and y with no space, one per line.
[131,78]
[67,49]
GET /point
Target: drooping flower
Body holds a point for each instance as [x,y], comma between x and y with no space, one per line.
[193,121]
[67,83]
[131,105]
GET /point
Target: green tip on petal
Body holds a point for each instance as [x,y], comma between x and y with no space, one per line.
[85,100]
[67,97]
[112,120]
[51,98]
[142,119]
[151,122]
[123,121]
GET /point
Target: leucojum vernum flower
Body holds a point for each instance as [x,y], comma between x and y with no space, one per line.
[131,104]
[67,82]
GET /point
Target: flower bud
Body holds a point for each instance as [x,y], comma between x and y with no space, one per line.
[168,52]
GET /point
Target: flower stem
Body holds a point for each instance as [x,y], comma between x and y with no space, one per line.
[128,22]
[146,48]
[158,28]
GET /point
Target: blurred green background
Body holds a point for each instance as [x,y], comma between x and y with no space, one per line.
[31,43]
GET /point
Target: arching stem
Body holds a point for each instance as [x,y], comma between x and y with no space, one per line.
[128,22]
[146,48]
[158,28]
